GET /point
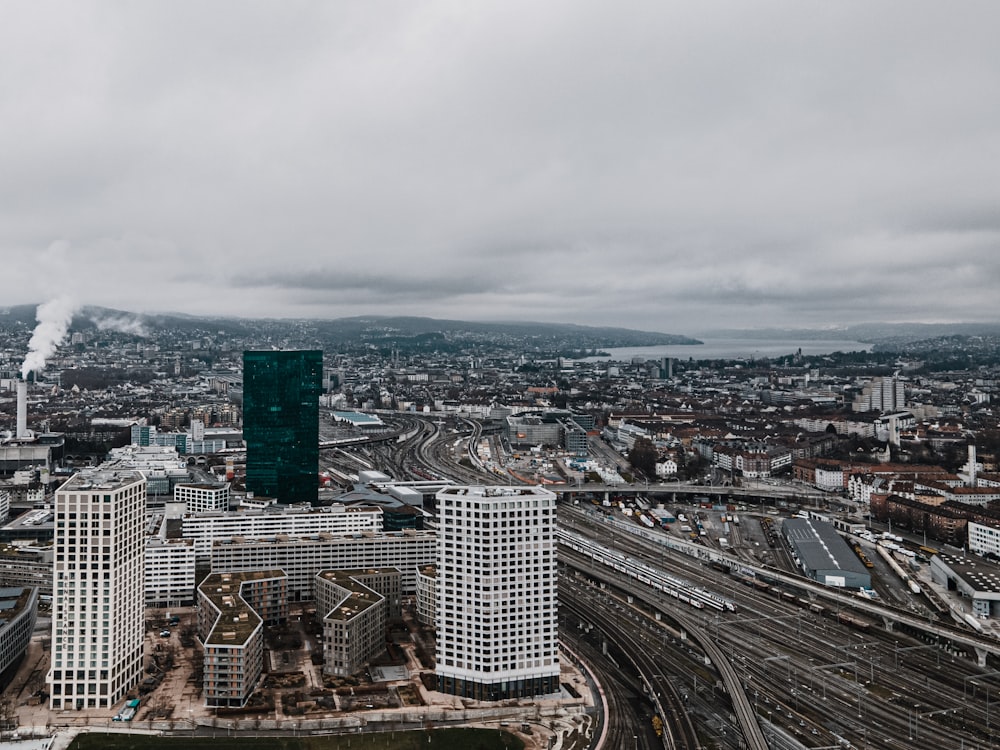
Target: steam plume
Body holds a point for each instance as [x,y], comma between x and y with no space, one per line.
[122,324]
[53,319]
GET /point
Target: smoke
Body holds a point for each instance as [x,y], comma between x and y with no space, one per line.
[122,324]
[53,319]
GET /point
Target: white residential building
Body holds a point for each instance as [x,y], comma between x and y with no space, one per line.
[881,394]
[303,557]
[666,467]
[169,572]
[983,540]
[203,498]
[498,604]
[203,528]
[97,606]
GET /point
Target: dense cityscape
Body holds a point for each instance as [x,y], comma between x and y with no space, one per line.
[379,524]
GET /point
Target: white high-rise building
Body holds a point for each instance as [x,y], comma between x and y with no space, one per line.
[497,592]
[97,602]
[885,395]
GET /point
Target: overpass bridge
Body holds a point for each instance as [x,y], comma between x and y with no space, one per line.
[714,492]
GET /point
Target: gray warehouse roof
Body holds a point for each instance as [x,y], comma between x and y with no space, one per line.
[821,549]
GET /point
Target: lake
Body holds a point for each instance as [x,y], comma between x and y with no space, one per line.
[734,349]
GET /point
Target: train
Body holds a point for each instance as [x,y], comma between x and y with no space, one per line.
[685,591]
[862,556]
[844,617]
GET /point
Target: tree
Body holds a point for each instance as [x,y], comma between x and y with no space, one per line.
[643,456]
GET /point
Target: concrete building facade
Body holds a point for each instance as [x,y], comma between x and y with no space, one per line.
[203,498]
[98,604]
[356,606]
[232,611]
[204,528]
[18,612]
[302,557]
[498,604]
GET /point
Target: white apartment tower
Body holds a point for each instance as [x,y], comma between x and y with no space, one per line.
[97,602]
[884,395]
[497,593]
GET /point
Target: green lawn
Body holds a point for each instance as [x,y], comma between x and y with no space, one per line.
[438,739]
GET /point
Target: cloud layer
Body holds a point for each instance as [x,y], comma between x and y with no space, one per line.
[669,166]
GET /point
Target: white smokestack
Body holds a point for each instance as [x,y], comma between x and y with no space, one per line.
[973,479]
[53,318]
[22,410]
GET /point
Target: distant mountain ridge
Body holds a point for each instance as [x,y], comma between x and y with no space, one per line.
[387,330]
[868,332]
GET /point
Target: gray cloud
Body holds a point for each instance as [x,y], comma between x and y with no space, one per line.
[678,165]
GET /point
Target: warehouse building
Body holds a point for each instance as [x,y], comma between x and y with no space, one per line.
[823,555]
[972,578]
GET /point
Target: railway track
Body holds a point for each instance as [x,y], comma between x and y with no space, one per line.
[824,682]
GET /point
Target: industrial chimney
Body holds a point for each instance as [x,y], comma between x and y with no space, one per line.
[22,410]
[973,479]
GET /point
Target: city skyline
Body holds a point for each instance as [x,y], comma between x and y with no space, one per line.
[664,167]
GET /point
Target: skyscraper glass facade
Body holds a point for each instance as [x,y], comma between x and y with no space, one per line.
[281,391]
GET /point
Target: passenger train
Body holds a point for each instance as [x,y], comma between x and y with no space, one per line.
[687,592]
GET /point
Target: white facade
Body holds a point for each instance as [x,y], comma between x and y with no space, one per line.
[303,557]
[169,572]
[203,498]
[983,540]
[204,528]
[666,468]
[881,394]
[497,591]
[97,605]
[829,479]
[427,595]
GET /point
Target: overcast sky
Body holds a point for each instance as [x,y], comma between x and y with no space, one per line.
[664,166]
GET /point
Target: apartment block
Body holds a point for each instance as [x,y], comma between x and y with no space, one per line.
[98,606]
[356,606]
[233,609]
[498,604]
[203,498]
[169,572]
[337,519]
[302,557]
[18,612]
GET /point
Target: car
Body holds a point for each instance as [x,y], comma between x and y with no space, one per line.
[164,634]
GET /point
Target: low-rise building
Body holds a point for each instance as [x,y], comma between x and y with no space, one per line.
[302,557]
[824,555]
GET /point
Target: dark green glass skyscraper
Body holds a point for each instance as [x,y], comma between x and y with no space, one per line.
[281,423]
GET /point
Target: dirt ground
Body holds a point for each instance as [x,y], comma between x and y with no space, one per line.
[294,689]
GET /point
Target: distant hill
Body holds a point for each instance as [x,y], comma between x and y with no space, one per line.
[869,332]
[403,333]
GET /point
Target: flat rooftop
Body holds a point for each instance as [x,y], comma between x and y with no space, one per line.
[13,601]
[101,479]
[237,619]
[979,575]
